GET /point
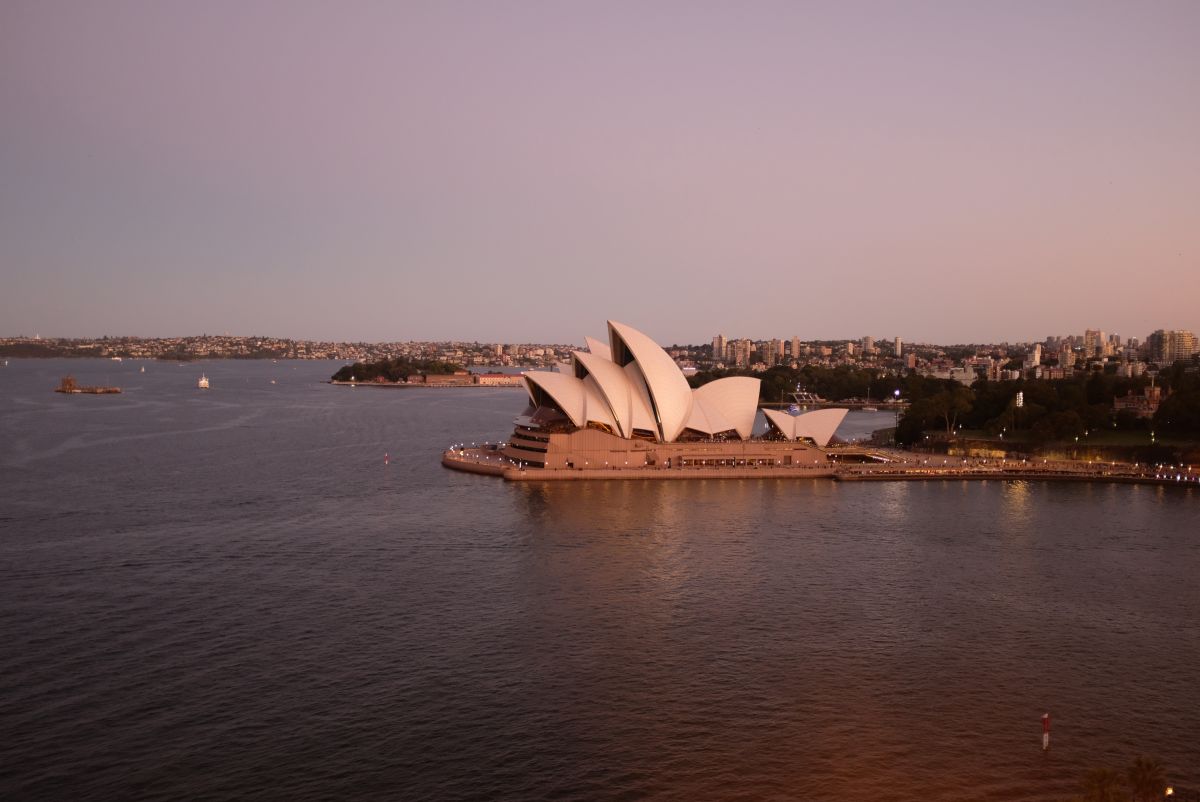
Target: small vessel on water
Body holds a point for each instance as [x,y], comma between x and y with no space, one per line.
[803,398]
[70,387]
[203,383]
[143,370]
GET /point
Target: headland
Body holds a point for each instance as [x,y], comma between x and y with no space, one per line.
[625,411]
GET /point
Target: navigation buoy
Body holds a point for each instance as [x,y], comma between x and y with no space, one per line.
[1045,731]
[386,459]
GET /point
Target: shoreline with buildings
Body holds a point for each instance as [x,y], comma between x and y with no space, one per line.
[1054,357]
[625,409]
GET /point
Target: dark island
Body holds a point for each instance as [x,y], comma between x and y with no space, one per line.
[395,370]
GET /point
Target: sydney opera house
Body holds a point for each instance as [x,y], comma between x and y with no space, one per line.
[626,406]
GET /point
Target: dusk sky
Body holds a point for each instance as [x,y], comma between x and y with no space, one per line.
[507,171]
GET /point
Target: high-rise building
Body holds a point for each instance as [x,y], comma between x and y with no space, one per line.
[868,344]
[1035,357]
[718,348]
[739,352]
[850,348]
[1168,347]
[795,348]
[775,357]
[899,344]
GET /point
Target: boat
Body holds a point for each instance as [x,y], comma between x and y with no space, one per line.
[71,387]
[803,398]
[143,370]
[115,358]
[203,383]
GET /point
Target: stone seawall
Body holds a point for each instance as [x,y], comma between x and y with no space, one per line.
[489,461]
[574,475]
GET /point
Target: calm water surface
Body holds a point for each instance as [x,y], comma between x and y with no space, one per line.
[228,595]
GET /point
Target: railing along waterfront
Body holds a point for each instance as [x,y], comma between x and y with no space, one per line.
[901,466]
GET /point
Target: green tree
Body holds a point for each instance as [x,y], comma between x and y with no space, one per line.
[1179,413]
[950,404]
[1103,785]
[1147,779]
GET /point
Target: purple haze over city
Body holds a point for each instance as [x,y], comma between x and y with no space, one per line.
[944,172]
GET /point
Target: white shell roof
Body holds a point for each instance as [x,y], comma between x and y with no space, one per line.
[670,393]
[598,347]
[613,385]
[567,392]
[625,397]
[818,425]
[736,397]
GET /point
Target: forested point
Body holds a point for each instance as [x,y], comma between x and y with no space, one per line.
[393,370]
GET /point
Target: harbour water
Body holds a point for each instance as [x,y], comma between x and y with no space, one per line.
[228,594]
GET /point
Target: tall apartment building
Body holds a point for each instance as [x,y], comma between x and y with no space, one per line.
[796,348]
[771,351]
[868,344]
[739,352]
[1167,347]
[719,344]
[899,346]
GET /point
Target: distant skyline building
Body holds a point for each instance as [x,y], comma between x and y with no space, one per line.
[899,346]
[1167,347]
[719,345]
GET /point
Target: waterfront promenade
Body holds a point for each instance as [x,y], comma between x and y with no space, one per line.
[846,465]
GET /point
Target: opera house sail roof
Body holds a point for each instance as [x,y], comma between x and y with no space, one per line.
[632,388]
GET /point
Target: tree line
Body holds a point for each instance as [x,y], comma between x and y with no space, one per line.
[1052,409]
[393,370]
[1145,780]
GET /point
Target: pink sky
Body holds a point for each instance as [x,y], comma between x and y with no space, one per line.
[521,171]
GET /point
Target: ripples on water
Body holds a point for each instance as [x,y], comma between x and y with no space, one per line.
[228,595]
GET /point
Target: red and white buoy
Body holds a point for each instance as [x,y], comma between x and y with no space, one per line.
[386,459]
[1045,731]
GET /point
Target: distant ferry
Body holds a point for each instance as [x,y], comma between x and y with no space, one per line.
[203,383]
[804,398]
[115,358]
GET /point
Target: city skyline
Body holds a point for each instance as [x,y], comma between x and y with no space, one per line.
[939,173]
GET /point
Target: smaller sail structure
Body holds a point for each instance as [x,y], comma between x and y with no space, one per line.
[817,426]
